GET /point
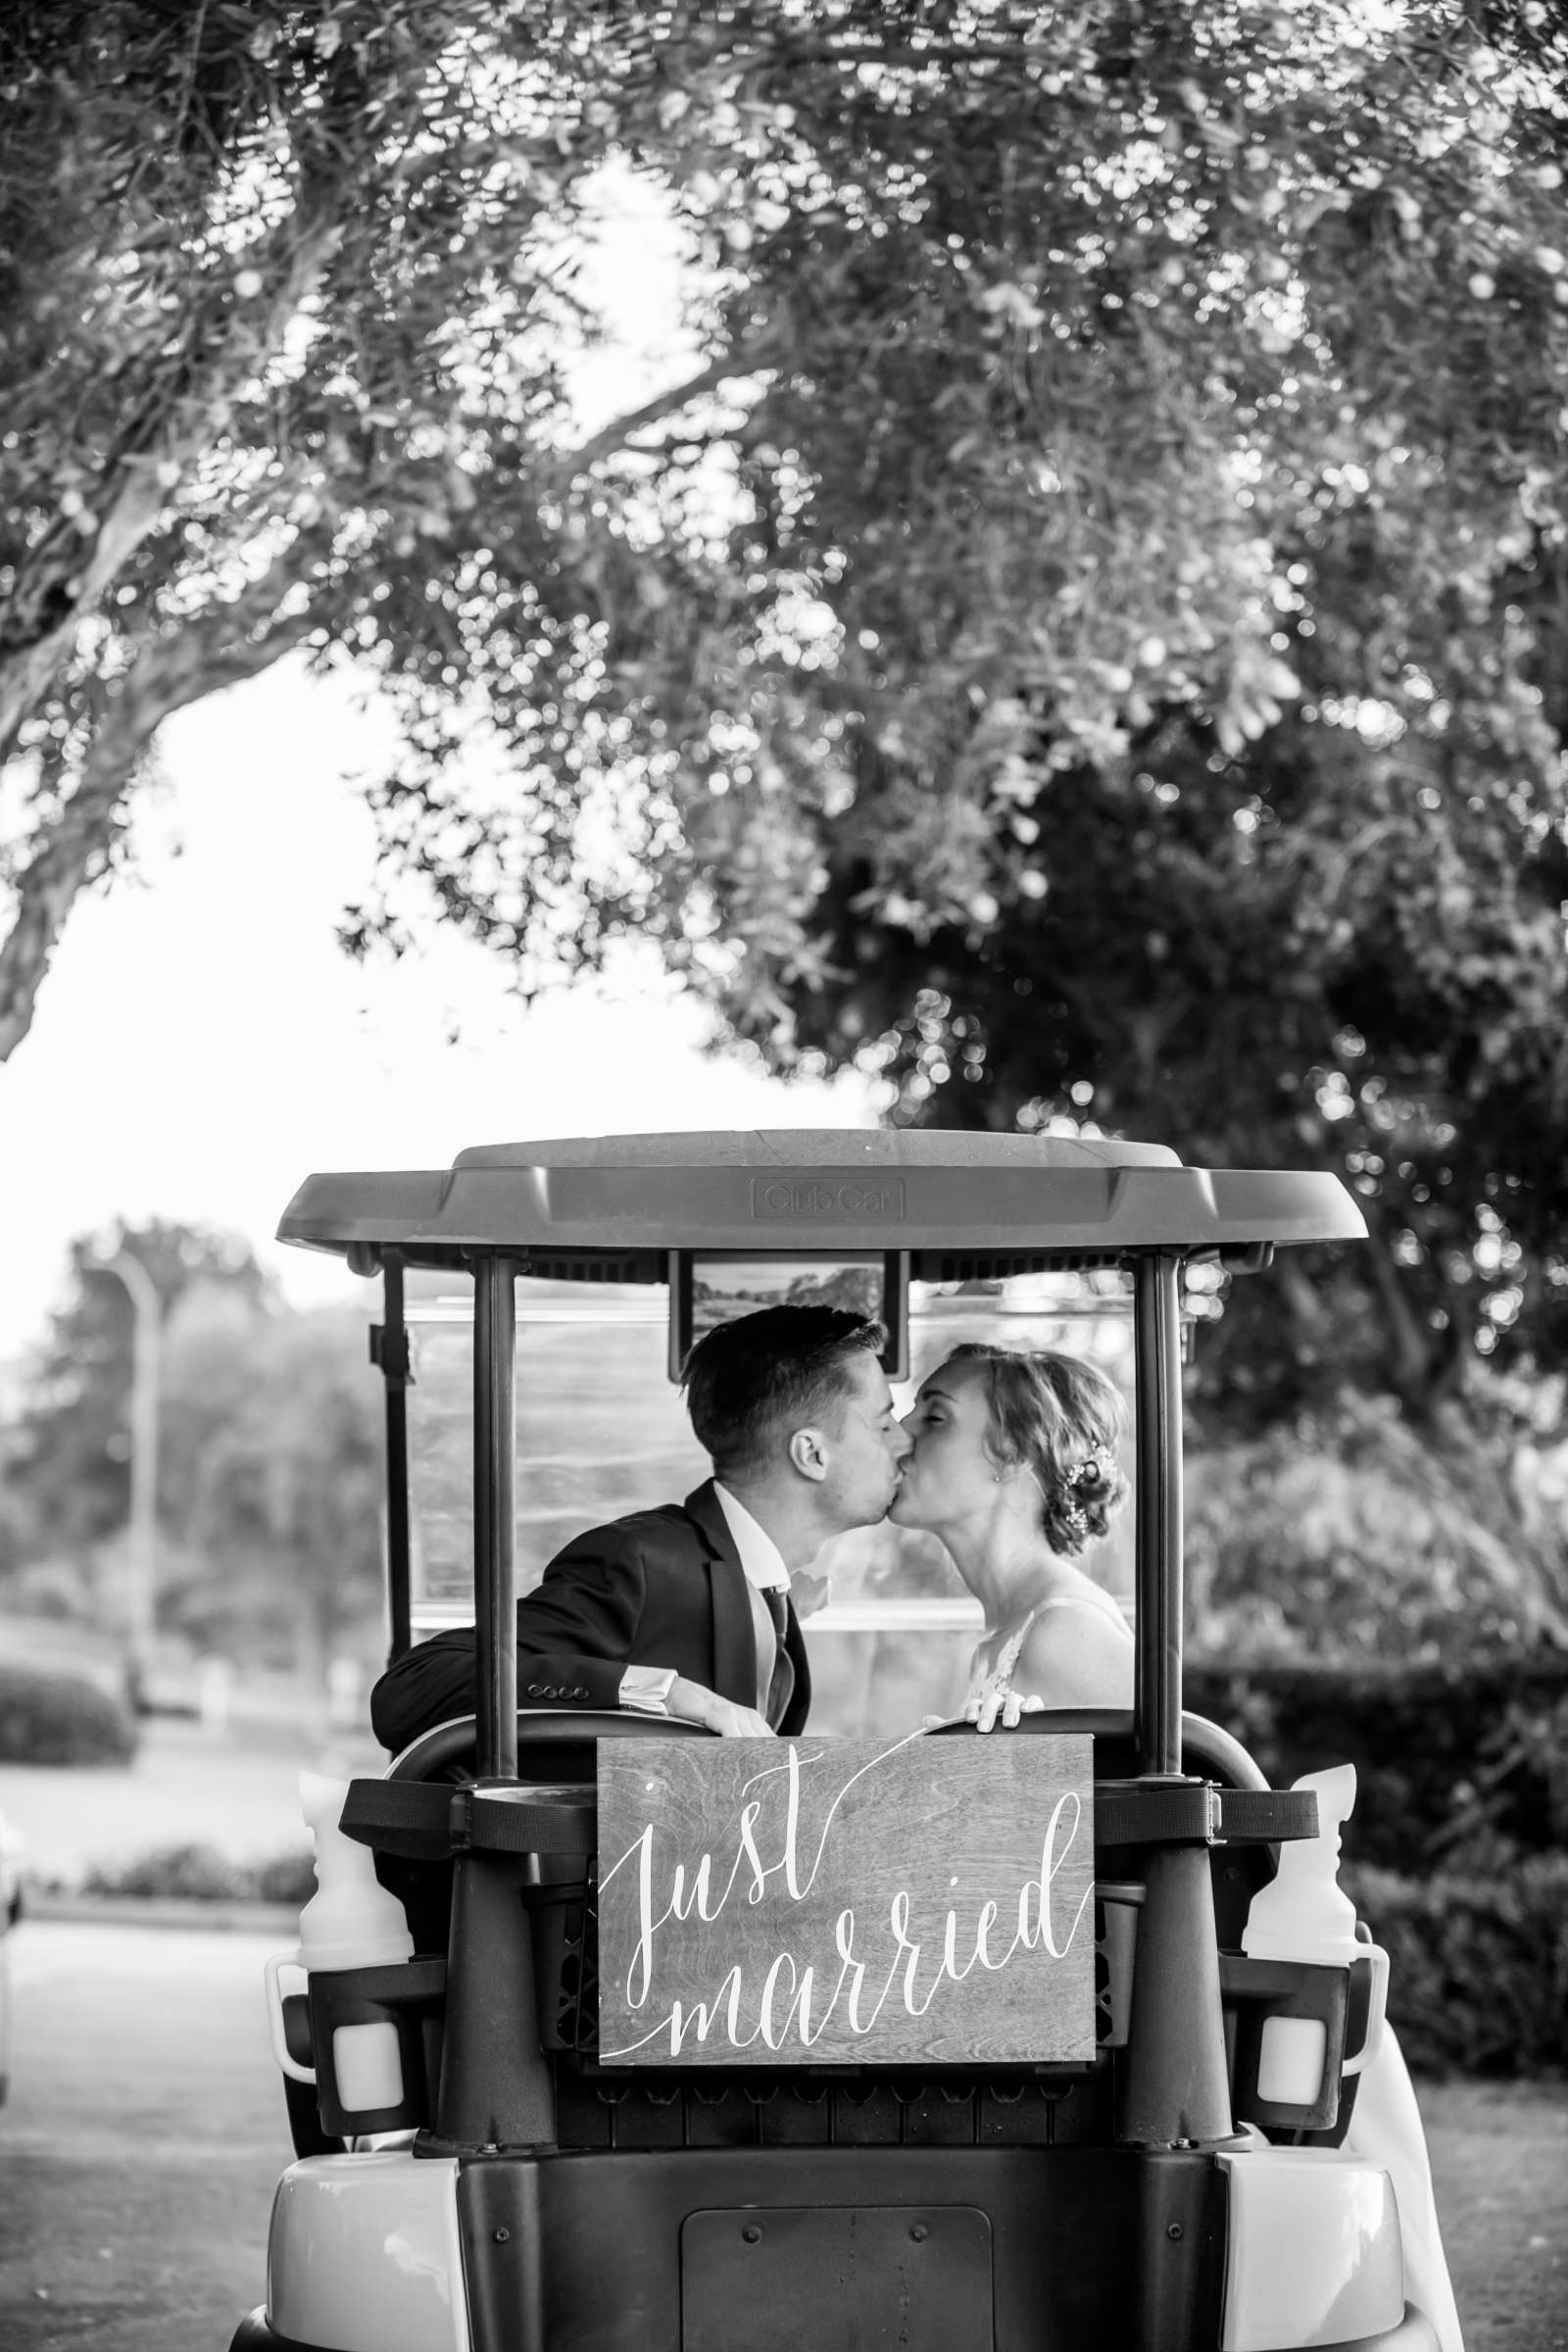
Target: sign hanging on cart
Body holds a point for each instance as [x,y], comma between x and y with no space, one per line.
[847,1901]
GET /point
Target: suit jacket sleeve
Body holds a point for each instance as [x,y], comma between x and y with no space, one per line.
[578,1630]
[429,1685]
[574,1637]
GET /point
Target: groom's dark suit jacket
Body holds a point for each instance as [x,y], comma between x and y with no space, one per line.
[659,1587]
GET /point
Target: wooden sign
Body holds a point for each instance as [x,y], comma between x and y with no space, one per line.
[845,1901]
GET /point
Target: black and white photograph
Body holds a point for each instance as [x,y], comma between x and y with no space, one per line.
[784,1172]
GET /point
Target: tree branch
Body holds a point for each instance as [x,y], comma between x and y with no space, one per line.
[896,54]
[76,583]
[1412,1367]
[64,577]
[170,672]
[762,357]
[906,54]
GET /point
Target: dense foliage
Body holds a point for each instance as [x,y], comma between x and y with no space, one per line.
[1456,1852]
[1080,643]
[1349,1532]
[67,1476]
[284,290]
[1478,1966]
[269,1460]
[1126,690]
[276,1489]
[1460,1763]
[60,1719]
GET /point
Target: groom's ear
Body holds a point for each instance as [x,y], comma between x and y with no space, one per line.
[808,1452]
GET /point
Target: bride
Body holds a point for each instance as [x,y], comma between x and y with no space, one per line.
[1014,1468]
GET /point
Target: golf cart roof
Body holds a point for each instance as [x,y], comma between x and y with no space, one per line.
[613,1208]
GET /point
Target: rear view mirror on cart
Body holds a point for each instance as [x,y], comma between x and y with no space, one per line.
[709,1287]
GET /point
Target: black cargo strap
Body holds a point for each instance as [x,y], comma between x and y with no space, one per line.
[527,1820]
[408,1818]
[1198,1813]
[425,1821]
[1267,1815]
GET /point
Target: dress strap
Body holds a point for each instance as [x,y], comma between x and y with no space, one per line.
[1108,1612]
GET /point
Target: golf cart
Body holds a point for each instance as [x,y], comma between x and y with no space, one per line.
[1060,2038]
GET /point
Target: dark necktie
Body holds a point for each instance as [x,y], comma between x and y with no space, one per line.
[782,1682]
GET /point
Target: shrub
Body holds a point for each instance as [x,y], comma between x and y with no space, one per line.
[1478,1967]
[1458,1760]
[201,1874]
[198,1871]
[60,1719]
[284,1879]
[1350,1528]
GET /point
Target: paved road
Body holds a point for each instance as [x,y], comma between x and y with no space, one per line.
[144,2138]
[145,2133]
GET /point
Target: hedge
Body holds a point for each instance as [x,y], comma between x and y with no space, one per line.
[1456,1856]
[198,1873]
[60,1719]
[1461,1764]
[1478,1967]
[201,1874]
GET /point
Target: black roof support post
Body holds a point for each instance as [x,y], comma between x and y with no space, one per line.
[495,1607]
[392,1355]
[1157,1381]
[497,2092]
[1173,2090]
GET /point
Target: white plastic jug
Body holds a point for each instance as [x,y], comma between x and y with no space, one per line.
[1304,1914]
[351,1921]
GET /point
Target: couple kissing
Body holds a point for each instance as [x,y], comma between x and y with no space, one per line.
[1007,1456]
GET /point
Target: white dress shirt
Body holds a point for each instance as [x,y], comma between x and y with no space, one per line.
[764,1564]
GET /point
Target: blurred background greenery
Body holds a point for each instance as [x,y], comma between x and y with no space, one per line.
[270,1480]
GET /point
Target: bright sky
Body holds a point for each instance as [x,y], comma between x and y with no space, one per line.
[201,1043]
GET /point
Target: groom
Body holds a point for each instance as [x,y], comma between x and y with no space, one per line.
[685,1609]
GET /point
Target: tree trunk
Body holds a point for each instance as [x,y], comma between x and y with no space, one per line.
[65,580]
[62,579]
[1415,1354]
[170,672]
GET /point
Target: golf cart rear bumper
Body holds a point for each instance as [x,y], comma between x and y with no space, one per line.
[1413,2334]
[659,2252]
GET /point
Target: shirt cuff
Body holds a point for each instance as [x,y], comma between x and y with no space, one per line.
[647,1689]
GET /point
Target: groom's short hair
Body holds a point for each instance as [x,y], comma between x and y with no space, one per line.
[752,1382]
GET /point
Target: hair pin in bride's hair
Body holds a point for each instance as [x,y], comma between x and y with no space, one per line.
[1094,1470]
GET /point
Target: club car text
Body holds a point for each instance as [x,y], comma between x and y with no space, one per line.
[805,1196]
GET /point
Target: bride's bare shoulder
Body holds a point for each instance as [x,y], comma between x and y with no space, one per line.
[1077,1653]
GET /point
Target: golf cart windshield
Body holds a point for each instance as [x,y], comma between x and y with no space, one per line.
[601,1430]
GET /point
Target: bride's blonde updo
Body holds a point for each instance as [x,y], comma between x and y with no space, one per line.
[1062,1419]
